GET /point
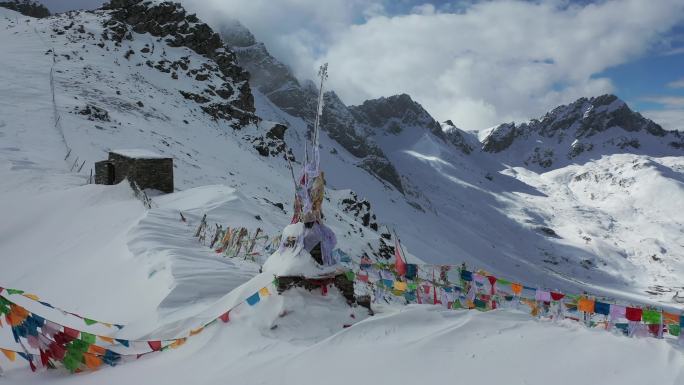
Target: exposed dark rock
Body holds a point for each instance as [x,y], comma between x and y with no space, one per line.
[360,209]
[26,8]
[93,113]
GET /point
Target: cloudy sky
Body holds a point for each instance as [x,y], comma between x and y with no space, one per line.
[478,63]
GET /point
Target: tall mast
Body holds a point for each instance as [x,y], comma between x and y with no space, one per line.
[323,75]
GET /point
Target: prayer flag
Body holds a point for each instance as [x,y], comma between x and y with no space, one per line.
[466,275]
[633,314]
[516,288]
[601,308]
[542,295]
[72,333]
[225,317]
[253,299]
[651,317]
[399,285]
[670,318]
[89,321]
[125,343]
[263,292]
[675,330]
[399,263]
[177,343]
[12,356]
[350,275]
[108,340]
[94,349]
[557,296]
[155,345]
[87,338]
[196,331]
[14,291]
[92,361]
[585,305]
[31,296]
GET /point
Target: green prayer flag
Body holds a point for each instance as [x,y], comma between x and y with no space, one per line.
[14,291]
[412,286]
[397,292]
[88,338]
[70,363]
[350,275]
[651,317]
[675,330]
[89,321]
[502,281]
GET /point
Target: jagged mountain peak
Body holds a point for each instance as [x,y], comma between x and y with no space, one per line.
[235,34]
[395,114]
[582,129]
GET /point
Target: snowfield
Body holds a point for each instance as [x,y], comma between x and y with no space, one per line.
[95,250]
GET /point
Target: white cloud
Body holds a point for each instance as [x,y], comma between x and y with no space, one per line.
[676,84]
[669,118]
[487,63]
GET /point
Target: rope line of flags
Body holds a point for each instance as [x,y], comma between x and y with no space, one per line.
[49,344]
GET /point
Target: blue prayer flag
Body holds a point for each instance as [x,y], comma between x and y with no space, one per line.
[253,299]
[601,308]
[466,275]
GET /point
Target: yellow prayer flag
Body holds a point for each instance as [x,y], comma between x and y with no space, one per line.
[400,285]
[177,343]
[263,292]
[31,296]
[108,340]
[9,354]
[196,331]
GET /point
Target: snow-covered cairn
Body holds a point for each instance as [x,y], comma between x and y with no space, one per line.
[305,256]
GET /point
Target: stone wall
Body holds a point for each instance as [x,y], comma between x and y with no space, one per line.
[153,173]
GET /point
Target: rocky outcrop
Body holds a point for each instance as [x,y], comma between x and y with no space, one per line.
[26,8]
[459,138]
[360,209]
[170,21]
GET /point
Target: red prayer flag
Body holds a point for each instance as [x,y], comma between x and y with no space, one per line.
[557,296]
[492,281]
[225,317]
[44,358]
[73,333]
[399,264]
[633,314]
[155,345]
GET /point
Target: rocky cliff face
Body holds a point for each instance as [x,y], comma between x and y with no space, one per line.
[169,21]
[588,126]
[26,8]
[394,115]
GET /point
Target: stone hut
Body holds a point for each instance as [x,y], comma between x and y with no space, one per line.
[146,168]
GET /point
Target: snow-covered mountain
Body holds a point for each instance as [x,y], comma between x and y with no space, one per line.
[580,131]
[149,75]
